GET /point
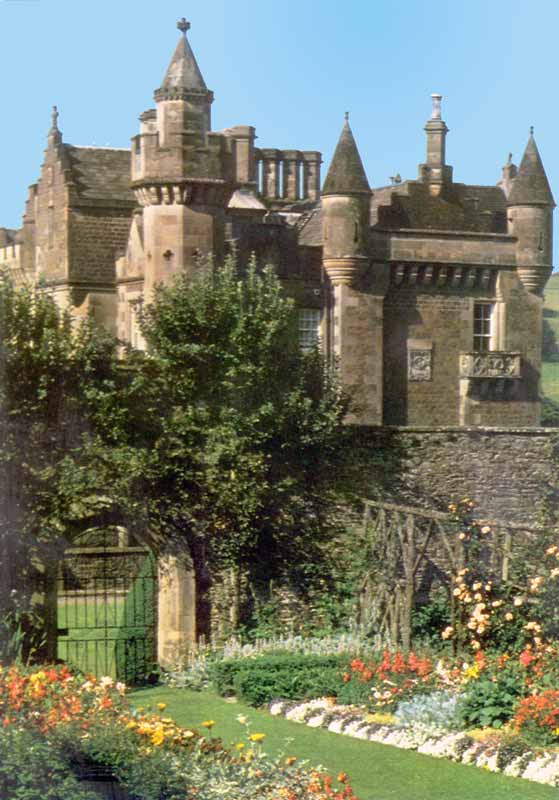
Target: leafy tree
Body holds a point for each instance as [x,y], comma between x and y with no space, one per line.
[223,439]
[46,371]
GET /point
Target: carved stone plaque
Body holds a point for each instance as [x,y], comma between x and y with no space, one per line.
[419,365]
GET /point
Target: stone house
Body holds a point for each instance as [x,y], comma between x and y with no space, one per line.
[427,292]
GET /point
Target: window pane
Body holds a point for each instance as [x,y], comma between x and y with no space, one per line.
[309,321]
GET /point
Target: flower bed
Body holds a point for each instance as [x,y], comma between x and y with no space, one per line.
[492,752]
[87,723]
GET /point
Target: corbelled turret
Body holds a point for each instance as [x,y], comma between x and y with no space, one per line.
[346,199]
[182,173]
[531,205]
[346,174]
[356,308]
[183,99]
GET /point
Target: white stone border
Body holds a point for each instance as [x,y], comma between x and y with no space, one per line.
[541,767]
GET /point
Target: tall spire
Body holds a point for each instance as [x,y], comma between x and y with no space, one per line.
[183,75]
[346,174]
[530,186]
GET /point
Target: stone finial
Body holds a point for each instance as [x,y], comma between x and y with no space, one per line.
[54,118]
[531,130]
[436,106]
[346,116]
[183,25]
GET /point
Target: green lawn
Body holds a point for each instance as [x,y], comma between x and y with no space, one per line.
[551,294]
[108,634]
[376,771]
[550,380]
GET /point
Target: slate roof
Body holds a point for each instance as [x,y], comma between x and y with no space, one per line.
[345,173]
[310,228]
[460,208]
[100,174]
[530,186]
[472,209]
[183,71]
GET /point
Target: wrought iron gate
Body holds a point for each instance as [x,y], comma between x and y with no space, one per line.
[107,608]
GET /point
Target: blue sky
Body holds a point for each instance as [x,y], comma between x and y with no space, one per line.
[291,70]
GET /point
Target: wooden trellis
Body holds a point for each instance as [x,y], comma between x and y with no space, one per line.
[405,543]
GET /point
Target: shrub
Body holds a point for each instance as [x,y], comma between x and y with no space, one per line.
[437,711]
[537,717]
[488,699]
[31,768]
[291,677]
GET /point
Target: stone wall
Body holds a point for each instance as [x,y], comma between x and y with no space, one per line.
[510,474]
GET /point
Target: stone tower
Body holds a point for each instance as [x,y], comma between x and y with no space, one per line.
[356,310]
[530,214]
[182,173]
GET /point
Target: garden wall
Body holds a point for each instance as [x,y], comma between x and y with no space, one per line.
[510,474]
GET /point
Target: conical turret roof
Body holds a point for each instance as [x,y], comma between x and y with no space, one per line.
[346,174]
[183,73]
[530,186]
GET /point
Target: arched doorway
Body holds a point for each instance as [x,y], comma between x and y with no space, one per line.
[107,606]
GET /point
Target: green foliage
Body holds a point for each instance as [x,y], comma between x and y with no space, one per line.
[289,676]
[550,351]
[221,440]
[430,618]
[549,412]
[113,749]
[489,700]
[48,374]
[30,768]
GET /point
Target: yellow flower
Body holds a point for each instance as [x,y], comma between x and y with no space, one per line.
[157,736]
[242,719]
[162,706]
[475,644]
[497,603]
[509,616]
[551,550]
[447,633]
[290,760]
[257,737]
[535,583]
[208,723]
[461,535]
[518,601]
[240,746]
[486,529]
[457,592]
[187,734]
[476,586]
[131,725]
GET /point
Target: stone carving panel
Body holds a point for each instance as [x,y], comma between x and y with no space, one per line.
[490,365]
[420,365]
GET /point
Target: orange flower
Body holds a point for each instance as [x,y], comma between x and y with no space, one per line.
[342,777]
